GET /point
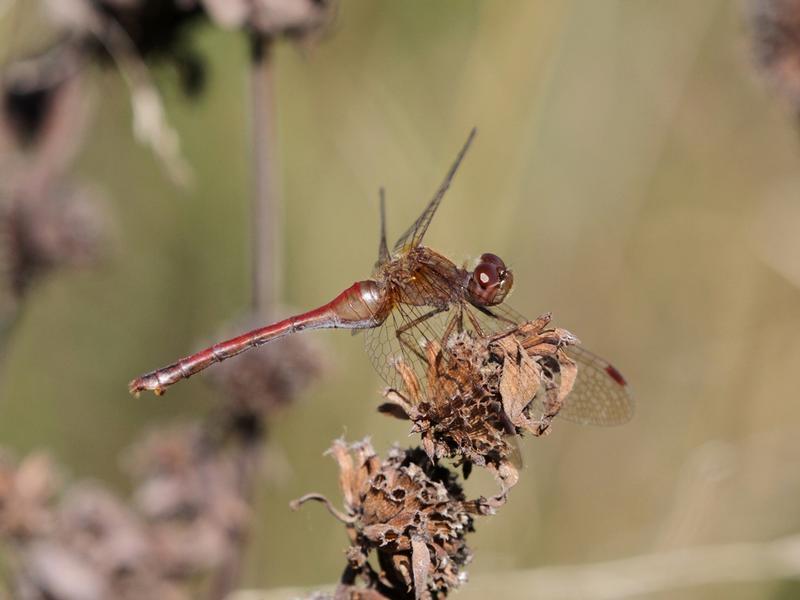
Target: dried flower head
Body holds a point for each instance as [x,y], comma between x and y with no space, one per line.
[481,390]
[114,543]
[257,384]
[43,109]
[26,491]
[101,528]
[96,548]
[411,512]
[154,28]
[775,26]
[188,492]
[63,227]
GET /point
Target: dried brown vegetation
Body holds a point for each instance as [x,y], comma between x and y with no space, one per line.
[775,30]
[409,509]
[186,519]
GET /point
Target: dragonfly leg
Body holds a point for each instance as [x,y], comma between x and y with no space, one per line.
[475,325]
[512,325]
[456,322]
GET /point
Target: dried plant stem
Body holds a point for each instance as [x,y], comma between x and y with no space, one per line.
[265,208]
[265,274]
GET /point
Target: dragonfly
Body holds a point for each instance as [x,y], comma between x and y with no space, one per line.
[416,295]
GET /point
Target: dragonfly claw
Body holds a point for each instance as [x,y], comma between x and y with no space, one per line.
[144,383]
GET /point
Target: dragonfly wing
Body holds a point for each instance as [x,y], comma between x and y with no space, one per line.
[383,249]
[404,335]
[384,349]
[414,234]
[601,396]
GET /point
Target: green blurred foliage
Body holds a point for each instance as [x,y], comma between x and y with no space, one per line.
[629,167]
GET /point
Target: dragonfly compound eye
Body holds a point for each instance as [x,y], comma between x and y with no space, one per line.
[493,259]
[486,275]
[490,281]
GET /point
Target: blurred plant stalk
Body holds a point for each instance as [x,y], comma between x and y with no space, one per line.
[266,208]
[265,270]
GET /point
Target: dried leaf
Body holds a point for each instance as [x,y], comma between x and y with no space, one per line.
[346,470]
[151,128]
[519,383]
[393,409]
[420,564]
[533,327]
[397,405]
[569,372]
[410,381]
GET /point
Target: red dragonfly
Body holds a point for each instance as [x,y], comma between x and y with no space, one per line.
[416,295]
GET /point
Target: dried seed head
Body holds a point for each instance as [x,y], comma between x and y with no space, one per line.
[188,492]
[411,512]
[26,491]
[98,526]
[43,108]
[64,227]
[101,532]
[97,549]
[256,384]
[482,390]
[775,27]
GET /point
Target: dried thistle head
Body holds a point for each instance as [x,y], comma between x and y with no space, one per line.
[411,512]
[100,531]
[257,384]
[96,548]
[101,528]
[63,227]
[481,390]
[187,491]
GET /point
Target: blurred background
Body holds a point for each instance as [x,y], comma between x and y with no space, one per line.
[631,166]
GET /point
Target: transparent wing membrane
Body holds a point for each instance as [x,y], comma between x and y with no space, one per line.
[414,234]
[600,395]
[383,249]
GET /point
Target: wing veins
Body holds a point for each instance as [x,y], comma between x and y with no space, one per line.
[414,234]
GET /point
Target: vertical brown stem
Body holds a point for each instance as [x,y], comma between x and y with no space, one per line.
[265,274]
[265,208]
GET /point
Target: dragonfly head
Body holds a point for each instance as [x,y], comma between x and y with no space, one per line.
[490,282]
